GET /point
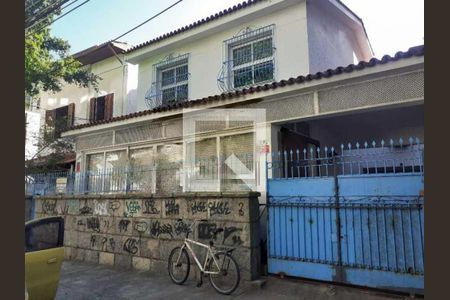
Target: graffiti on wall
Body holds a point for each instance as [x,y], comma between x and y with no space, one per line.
[230,235]
[100,208]
[219,208]
[132,207]
[131,246]
[49,207]
[171,207]
[102,243]
[114,205]
[150,207]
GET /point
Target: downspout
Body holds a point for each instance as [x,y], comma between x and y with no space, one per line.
[124,65]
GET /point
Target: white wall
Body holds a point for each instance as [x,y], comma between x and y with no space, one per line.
[32,133]
[112,81]
[332,42]
[206,54]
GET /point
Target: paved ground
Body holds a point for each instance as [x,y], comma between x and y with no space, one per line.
[87,281]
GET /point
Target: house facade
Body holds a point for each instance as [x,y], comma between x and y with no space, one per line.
[330,113]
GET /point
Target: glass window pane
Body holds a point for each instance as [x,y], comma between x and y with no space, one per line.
[116,160]
[168,95]
[182,73]
[182,92]
[115,171]
[141,172]
[95,166]
[169,166]
[42,236]
[237,161]
[95,162]
[262,49]
[243,77]
[242,55]
[167,77]
[263,71]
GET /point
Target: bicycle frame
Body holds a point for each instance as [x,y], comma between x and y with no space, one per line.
[209,254]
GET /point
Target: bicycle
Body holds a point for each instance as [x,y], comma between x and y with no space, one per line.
[219,265]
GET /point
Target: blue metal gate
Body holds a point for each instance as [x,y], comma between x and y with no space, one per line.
[355,217]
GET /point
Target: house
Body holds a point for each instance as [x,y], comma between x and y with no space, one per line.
[247,45]
[75,105]
[329,112]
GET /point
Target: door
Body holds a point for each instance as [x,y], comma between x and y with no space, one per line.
[44,253]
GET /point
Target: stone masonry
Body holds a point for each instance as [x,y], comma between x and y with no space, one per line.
[139,231]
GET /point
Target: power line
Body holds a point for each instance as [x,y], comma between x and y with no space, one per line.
[44,13]
[65,14]
[146,21]
[41,20]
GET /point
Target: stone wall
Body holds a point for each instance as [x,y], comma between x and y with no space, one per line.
[139,231]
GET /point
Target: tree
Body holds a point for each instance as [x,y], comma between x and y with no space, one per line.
[48,64]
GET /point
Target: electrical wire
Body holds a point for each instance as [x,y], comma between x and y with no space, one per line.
[65,14]
[146,21]
[42,15]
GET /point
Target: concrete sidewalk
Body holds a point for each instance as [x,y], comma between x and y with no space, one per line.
[80,280]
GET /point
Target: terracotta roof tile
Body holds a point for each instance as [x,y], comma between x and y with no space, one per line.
[413,51]
[194,24]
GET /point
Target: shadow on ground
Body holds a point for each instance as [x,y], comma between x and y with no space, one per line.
[80,280]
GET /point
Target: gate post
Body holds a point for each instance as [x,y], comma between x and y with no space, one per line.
[340,276]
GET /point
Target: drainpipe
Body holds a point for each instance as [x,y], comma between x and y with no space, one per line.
[124,76]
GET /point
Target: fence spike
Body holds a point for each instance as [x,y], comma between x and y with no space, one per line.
[382,143]
[357,145]
[417,141]
[349,146]
[400,141]
[411,140]
[332,150]
[374,143]
[326,150]
[366,144]
[391,142]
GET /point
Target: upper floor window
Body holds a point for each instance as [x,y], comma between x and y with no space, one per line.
[101,108]
[249,59]
[59,119]
[170,82]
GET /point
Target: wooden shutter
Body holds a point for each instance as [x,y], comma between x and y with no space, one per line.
[70,114]
[92,110]
[50,117]
[109,101]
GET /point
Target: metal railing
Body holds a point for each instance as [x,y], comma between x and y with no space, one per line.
[392,157]
[165,177]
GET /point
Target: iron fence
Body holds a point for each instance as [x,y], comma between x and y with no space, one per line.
[391,157]
[163,177]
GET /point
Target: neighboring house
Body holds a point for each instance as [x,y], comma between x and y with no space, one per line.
[55,112]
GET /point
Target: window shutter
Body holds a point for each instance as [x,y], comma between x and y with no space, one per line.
[109,101]
[70,114]
[50,116]
[92,110]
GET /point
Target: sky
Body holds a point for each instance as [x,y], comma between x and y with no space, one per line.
[392,25]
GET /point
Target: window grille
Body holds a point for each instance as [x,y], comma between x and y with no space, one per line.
[248,59]
[170,82]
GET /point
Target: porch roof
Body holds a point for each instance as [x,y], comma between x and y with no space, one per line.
[412,52]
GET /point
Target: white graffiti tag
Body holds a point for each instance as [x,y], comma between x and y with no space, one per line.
[100,208]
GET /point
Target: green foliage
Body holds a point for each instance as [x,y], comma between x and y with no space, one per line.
[48,64]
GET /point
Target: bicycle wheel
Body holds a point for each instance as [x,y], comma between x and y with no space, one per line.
[179,265]
[228,277]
